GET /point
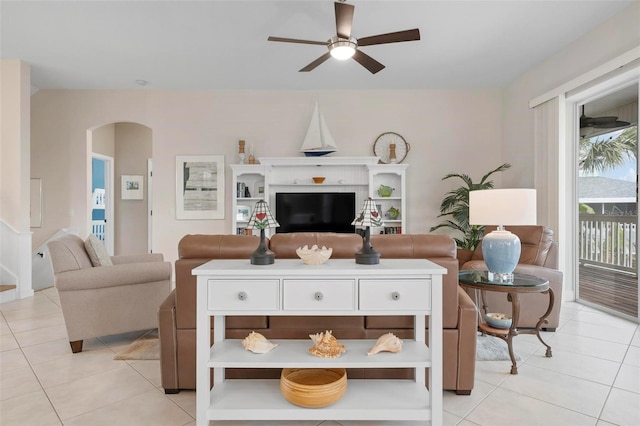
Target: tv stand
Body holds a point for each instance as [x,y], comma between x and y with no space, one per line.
[361,175]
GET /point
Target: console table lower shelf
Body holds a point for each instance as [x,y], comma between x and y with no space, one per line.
[368,399]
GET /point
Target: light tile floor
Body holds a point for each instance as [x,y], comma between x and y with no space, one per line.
[593,377]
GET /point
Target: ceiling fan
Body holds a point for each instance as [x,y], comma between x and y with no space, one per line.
[344,46]
[600,122]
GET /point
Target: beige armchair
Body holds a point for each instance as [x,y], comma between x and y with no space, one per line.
[539,257]
[103,300]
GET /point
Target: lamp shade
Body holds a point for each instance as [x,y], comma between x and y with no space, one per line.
[513,206]
[500,248]
[369,215]
[261,217]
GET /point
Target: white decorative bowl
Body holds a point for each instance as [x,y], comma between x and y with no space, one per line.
[497,320]
[314,255]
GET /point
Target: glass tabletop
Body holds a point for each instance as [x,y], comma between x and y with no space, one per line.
[483,277]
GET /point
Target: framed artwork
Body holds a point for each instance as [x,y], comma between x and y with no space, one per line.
[132,187]
[200,187]
[243,213]
[258,190]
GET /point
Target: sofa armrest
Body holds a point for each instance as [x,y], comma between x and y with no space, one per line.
[467,331]
[137,258]
[168,343]
[113,276]
[463,255]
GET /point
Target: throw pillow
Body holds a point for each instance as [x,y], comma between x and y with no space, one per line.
[97,251]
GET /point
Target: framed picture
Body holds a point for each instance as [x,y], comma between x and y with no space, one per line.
[243,213]
[132,187]
[200,187]
[258,190]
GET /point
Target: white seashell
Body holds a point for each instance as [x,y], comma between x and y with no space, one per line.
[314,255]
[325,345]
[386,343]
[257,343]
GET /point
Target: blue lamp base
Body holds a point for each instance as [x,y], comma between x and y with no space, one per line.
[501,252]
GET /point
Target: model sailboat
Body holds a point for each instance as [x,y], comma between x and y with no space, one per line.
[318,140]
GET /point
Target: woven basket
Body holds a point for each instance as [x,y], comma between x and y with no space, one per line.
[313,387]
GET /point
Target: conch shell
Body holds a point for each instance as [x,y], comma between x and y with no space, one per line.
[325,345]
[257,343]
[314,255]
[386,343]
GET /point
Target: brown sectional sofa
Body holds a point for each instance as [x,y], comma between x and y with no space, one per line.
[177,317]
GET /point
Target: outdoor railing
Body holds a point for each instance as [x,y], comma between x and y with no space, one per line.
[97,229]
[608,241]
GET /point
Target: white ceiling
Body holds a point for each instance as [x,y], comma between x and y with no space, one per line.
[197,45]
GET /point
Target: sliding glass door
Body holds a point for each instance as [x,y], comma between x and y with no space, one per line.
[608,203]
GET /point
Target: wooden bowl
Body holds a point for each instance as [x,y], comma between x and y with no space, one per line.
[318,179]
[313,387]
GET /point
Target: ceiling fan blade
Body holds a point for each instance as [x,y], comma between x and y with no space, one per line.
[407,35]
[368,62]
[344,19]
[315,63]
[611,124]
[296,40]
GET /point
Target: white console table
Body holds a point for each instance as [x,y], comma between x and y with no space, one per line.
[338,287]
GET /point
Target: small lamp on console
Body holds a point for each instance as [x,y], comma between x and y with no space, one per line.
[261,218]
[369,216]
[500,248]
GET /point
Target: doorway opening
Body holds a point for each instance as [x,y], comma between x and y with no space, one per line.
[607,187]
[102,199]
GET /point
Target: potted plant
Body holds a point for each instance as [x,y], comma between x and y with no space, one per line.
[456,205]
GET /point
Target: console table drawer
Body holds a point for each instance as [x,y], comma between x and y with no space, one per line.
[394,295]
[326,295]
[243,295]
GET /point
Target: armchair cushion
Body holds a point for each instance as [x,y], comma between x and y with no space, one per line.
[114,276]
[97,251]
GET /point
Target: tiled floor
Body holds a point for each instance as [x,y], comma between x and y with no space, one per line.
[593,377]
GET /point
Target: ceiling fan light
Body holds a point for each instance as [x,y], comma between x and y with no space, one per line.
[341,48]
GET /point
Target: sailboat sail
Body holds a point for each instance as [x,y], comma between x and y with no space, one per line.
[318,140]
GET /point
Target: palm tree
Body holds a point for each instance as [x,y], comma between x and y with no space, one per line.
[456,204]
[607,154]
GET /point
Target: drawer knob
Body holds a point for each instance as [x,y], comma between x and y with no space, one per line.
[318,295]
[395,295]
[242,295]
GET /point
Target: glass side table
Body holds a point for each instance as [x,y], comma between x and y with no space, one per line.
[521,283]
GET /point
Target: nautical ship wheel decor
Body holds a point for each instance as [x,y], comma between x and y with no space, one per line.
[391,148]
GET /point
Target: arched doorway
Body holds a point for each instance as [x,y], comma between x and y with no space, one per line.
[130,146]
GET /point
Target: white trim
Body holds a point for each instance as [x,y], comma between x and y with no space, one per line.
[109,200]
[618,62]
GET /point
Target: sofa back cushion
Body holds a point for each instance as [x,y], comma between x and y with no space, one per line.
[536,242]
[344,246]
[67,253]
[193,251]
[439,249]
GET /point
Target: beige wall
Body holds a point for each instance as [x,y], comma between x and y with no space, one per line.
[615,37]
[103,140]
[15,105]
[449,131]
[132,149]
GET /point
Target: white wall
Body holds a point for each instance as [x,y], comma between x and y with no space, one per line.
[449,131]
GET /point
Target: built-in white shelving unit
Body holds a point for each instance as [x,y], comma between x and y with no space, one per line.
[361,175]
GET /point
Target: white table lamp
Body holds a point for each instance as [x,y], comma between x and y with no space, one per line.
[501,248]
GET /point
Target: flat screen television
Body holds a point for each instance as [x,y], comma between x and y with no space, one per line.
[315,211]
